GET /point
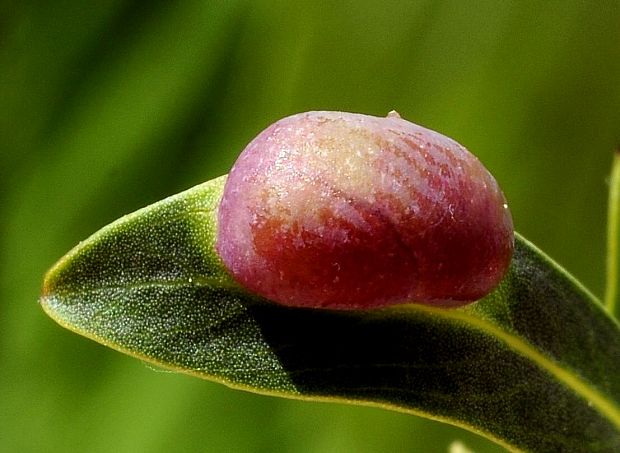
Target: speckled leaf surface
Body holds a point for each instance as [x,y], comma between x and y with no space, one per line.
[533,366]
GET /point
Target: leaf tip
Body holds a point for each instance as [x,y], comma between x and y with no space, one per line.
[48,284]
[50,280]
[47,292]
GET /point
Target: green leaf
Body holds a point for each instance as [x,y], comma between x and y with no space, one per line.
[533,366]
[612,294]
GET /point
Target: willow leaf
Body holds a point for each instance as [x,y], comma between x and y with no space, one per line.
[533,366]
[612,292]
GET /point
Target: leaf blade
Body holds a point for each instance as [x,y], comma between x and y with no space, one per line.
[152,286]
[612,295]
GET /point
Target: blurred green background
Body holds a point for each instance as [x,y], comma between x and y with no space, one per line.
[111,105]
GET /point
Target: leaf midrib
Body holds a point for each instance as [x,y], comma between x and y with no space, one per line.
[214,282]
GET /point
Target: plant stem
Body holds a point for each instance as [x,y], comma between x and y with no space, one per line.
[612,296]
